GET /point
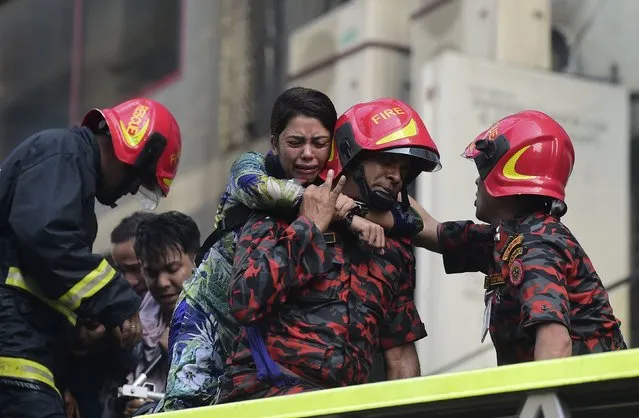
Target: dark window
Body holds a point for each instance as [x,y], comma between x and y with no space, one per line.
[60,58]
[129,47]
[270,23]
[36,40]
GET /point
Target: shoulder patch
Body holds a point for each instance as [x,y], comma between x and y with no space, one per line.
[513,248]
[516,274]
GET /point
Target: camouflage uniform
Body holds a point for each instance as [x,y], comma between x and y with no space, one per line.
[202,329]
[536,273]
[323,311]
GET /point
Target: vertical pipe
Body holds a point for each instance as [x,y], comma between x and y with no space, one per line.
[77,56]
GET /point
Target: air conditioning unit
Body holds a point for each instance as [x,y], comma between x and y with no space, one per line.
[358,51]
[600,38]
[465,95]
[502,30]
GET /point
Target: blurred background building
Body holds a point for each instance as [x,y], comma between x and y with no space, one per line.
[219,65]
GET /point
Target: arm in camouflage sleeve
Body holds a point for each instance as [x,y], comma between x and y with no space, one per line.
[466,246]
[543,296]
[250,184]
[403,222]
[402,326]
[271,259]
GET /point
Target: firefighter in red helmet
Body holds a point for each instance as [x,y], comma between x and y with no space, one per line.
[363,131]
[543,298]
[49,277]
[146,142]
[315,306]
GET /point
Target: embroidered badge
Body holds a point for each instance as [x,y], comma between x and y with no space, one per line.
[516,274]
[513,248]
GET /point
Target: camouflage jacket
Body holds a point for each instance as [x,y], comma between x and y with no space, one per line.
[202,328]
[536,273]
[324,310]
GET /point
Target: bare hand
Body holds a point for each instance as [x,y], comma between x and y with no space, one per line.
[318,203]
[89,334]
[70,405]
[130,331]
[370,233]
[343,205]
[133,405]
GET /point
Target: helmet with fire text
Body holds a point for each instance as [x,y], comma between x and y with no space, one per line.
[526,153]
[146,136]
[382,126]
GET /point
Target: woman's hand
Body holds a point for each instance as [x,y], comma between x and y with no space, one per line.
[343,205]
[370,233]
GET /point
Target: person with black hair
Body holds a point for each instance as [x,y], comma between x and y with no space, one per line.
[126,260]
[122,251]
[315,305]
[165,245]
[544,299]
[50,279]
[302,125]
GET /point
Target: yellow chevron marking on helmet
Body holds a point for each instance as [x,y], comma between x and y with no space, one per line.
[406,132]
[510,172]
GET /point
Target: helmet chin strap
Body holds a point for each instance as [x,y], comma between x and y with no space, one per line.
[375,199]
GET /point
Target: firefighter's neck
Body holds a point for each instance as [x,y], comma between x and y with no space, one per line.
[507,208]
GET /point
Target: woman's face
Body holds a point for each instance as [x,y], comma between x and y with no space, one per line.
[303,148]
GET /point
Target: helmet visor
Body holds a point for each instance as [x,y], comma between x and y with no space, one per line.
[422,159]
[486,152]
[149,196]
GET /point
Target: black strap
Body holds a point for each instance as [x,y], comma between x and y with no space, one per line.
[236,217]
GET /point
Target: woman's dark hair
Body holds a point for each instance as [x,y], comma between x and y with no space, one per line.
[301,101]
[165,232]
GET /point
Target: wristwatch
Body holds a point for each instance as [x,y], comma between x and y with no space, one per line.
[360,209]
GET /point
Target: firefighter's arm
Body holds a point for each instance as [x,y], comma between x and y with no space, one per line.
[414,222]
[403,222]
[402,362]
[271,259]
[47,218]
[466,246]
[552,341]
[539,275]
[403,325]
[252,186]
[427,237]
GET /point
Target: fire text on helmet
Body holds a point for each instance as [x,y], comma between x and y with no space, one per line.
[386,114]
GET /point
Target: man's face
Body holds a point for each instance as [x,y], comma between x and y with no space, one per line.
[166,276]
[126,260]
[114,175]
[485,204]
[382,172]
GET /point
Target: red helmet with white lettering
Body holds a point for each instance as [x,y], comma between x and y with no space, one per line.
[386,126]
[146,136]
[527,153]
